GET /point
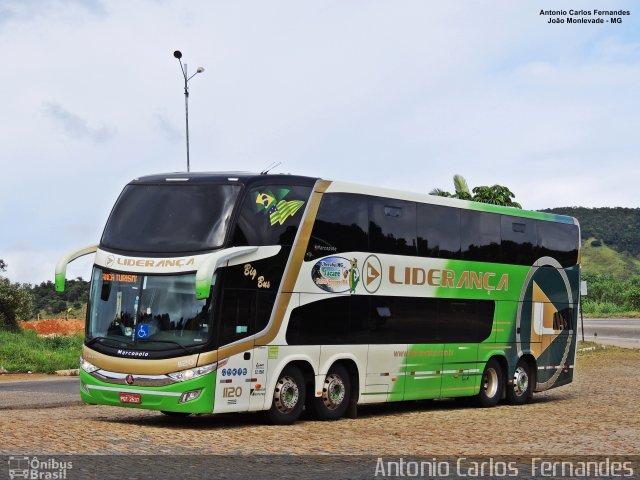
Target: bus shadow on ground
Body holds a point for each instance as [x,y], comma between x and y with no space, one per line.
[365,412]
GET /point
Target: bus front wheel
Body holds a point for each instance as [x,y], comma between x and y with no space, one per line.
[492,385]
[521,389]
[336,394]
[288,397]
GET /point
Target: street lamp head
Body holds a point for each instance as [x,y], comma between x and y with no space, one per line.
[177,54]
[200,70]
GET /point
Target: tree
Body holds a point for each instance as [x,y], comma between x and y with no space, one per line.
[15,302]
[460,186]
[495,195]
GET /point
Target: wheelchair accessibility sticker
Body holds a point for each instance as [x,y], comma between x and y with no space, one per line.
[143,330]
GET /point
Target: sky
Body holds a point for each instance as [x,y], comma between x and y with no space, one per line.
[400,94]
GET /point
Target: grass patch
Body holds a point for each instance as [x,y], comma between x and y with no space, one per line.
[24,351]
[603,313]
[604,260]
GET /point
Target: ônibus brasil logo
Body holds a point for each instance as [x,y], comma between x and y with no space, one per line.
[33,467]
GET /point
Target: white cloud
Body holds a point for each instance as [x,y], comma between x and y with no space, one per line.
[75,126]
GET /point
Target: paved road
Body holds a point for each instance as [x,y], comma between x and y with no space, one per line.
[36,393]
[622,332]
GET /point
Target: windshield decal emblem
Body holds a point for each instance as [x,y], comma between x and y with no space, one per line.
[277,207]
[129,379]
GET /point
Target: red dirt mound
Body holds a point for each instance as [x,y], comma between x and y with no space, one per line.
[56,327]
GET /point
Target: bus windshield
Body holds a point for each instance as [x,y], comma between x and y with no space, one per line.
[170,218]
[151,312]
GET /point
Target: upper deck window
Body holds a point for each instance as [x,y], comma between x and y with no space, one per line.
[270,215]
[170,218]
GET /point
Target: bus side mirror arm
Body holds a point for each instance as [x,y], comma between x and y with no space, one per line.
[61,267]
[204,275]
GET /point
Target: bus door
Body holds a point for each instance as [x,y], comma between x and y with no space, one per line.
[236,380]
[242,380]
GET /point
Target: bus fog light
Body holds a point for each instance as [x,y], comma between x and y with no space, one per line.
[189,396]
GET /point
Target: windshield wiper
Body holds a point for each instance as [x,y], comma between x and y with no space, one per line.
[166,341]
[95,339]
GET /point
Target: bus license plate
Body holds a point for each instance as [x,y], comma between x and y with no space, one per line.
[130,398]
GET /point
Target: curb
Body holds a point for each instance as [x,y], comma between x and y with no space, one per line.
[68,373]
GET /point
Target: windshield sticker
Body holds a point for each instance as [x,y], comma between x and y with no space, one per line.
[277,207]
[143,330]
[336,274]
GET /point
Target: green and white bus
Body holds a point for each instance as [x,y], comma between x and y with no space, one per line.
[235,292]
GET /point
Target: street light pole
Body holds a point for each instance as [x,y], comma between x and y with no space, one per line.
[183,68]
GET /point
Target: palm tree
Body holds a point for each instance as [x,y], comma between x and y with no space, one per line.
[461,189]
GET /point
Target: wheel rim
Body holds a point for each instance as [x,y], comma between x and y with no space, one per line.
[333,392]
[490,382]
[520,381]
[286,394]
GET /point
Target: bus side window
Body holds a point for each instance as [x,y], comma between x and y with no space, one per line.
[392,226]
[519,240]
[341,226]
[480,236]
[560,241]
[438,231]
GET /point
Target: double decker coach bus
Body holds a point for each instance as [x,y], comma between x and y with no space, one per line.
[238,292]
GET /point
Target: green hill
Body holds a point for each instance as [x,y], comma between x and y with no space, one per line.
[611,239]
[618,227]
[610,258]
[601,259]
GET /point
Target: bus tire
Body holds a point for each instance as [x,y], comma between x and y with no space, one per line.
[288,397]
[336,395]
[491,385]
[520,390]
[175,414]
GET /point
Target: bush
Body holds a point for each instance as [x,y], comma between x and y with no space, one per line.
[15,303]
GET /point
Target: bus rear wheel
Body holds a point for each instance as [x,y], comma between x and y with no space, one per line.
[520,390]
[288,397]
[336,394]
[492,385]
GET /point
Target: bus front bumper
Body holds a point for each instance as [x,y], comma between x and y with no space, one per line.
[177,397]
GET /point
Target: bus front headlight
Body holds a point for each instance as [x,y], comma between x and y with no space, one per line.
[87,366]
[191,373]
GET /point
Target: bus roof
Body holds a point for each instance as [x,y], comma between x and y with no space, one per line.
[244,178]
[252,178]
